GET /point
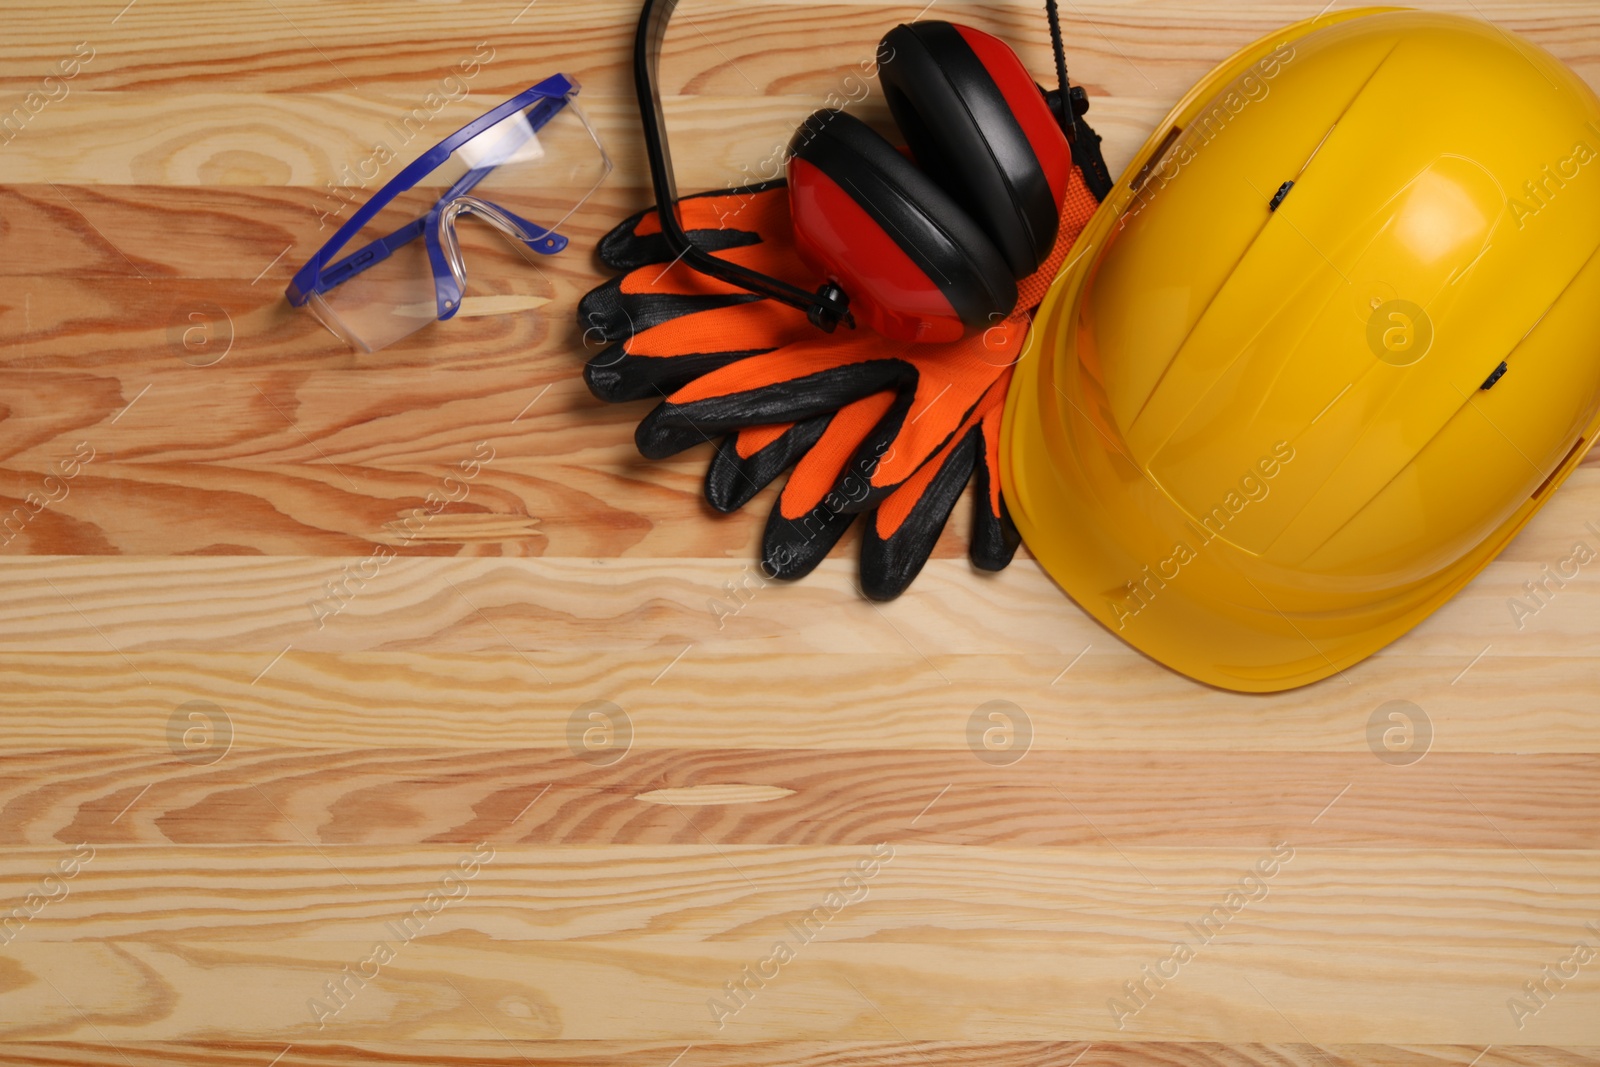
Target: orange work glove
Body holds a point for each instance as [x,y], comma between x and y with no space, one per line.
[891,429]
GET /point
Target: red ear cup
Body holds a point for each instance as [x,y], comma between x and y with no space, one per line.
[915,266]
[979,126]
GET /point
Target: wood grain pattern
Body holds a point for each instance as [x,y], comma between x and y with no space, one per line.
[475,989]
[804,1053]
[356,741]
[708,890]
[849,797]
[767,1054]
[801,701]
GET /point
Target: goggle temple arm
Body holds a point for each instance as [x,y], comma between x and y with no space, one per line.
[444,255]
[826,308]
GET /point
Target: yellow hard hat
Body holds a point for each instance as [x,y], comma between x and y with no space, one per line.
[1330,342]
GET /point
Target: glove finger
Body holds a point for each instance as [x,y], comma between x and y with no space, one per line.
[942,388]
[621,307]
[673,313]
[775,257]
[792,548]
[747,462]
[716,221]
[626,249]
[903,530]
[900,447]
[808,521]
[608,313]
[800,382]
[825,471]
[669,355]
[994,536]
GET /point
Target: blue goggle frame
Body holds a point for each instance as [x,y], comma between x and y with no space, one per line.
[543,101]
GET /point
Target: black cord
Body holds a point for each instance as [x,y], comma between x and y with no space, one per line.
[1080,135]
[1064,103]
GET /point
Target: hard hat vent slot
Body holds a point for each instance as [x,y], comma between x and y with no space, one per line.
[1157,158]
[1544,486]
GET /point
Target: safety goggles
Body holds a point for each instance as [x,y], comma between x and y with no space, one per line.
[522,168]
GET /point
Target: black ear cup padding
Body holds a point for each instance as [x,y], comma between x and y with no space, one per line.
[920,217]
[961,131]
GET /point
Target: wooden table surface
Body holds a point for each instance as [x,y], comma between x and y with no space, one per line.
[535,791]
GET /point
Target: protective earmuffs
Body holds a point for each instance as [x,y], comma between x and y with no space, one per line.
[931,249]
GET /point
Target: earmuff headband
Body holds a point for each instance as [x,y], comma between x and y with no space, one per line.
[825,308]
